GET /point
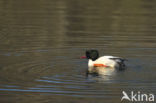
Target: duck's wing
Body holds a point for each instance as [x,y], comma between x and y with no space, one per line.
[120,61]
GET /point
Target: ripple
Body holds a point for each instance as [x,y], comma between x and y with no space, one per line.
[80,86]
[64,75]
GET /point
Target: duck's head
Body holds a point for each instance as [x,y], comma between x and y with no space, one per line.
[92,54]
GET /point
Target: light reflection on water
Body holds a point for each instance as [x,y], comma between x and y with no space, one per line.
[42,42]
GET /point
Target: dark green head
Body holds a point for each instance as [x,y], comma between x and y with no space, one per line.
[92,54]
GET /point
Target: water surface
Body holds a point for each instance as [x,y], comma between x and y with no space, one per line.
[42,41]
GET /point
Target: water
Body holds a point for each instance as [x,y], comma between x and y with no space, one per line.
[42,42]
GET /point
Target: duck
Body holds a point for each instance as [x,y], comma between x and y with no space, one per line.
[99,65]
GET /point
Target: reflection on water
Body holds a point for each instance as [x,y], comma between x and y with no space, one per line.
[42,41]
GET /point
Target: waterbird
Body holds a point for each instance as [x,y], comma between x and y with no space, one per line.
[101,64]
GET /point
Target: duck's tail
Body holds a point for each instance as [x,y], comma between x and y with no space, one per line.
[121,63]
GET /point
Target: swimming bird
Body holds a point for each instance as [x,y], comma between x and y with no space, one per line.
[98,64]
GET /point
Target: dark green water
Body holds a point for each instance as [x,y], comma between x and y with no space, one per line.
[41,42]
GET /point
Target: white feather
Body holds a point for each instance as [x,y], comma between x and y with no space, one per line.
[106,60]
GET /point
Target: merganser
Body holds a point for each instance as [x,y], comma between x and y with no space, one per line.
[98,64]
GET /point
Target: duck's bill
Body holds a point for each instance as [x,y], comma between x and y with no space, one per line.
[83,57]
